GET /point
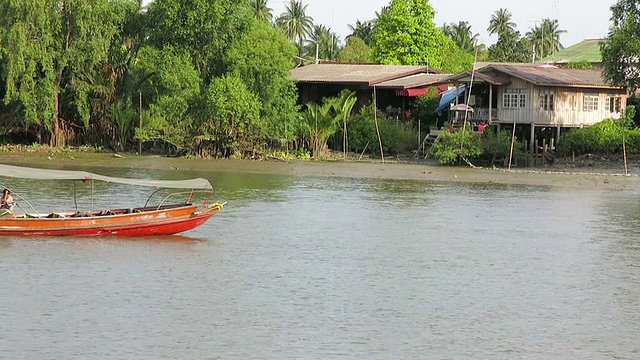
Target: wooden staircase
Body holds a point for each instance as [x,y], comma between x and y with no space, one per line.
[427,143]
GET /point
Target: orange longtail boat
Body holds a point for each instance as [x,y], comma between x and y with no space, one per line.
[162,219]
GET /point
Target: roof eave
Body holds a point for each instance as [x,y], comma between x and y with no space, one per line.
[589,86]
[399,75]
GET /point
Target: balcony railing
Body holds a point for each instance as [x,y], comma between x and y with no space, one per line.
[482,114]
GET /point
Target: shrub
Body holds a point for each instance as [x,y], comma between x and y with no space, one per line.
[397,137]
[498,146]
[451,147]
[604,137]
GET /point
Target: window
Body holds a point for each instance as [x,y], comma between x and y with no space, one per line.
[546,99]
[514,98]
[613,104]
[591,103]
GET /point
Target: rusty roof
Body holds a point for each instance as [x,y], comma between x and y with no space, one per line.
[478,76]
[541,76]
[482,64]
[361,74]
[412,81]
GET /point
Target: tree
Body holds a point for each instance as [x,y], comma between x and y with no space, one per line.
[546,37]
[203,28]
[261,10]
[295,22]
[318,125]
[343,106]
[56,47]
[362,30]
[263,59]
[501,23]
[225,115]
[356,51]
[327,43]
[405,34]
[462,35]
[173,85]
[510,47]
[621,50]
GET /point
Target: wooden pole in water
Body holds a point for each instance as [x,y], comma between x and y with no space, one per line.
[513,139]
[624,145]
[375,119]
[140,113]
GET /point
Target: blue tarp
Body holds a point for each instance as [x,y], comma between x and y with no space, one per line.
[449,96]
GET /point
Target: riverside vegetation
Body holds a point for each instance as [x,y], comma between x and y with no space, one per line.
[192,78]
[211,78]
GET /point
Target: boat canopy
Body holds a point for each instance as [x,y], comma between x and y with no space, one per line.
[48,174]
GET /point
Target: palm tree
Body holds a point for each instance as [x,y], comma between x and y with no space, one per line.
[343,106]
[295,23]
[545,38]
[327,42]
[553,32]
[501,23]
[363,30]
[317,126]
[446,29]
[260,10]
[462,35]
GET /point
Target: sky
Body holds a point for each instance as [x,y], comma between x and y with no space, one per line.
[583,19]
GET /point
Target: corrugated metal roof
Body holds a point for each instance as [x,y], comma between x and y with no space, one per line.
[412,81]
[554,77]
[363,74]
[478,76]
[482,64]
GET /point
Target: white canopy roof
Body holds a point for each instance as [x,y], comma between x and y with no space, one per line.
[46,174]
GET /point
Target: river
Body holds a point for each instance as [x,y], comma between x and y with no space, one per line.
[299,267]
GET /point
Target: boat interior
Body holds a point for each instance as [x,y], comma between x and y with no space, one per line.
[96,213]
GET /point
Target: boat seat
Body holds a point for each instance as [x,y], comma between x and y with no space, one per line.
[80,214]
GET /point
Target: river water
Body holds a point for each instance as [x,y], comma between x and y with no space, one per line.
[328,268]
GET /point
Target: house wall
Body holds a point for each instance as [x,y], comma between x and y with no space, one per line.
[518,115]
[569,107]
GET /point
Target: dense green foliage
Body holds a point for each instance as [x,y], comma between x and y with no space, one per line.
[406,34]
[356,51]
[510,47]
[498,146]
[452,147]
[396,137]
[211,78]
[604,137]
[205,77]
[621,50]
[580,65]
[57,48]
[425,110]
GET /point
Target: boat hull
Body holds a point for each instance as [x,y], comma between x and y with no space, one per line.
[166,221]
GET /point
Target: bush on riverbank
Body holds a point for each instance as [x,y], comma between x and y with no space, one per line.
[488,146]
[454,146]
[604,137]
[397,137]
